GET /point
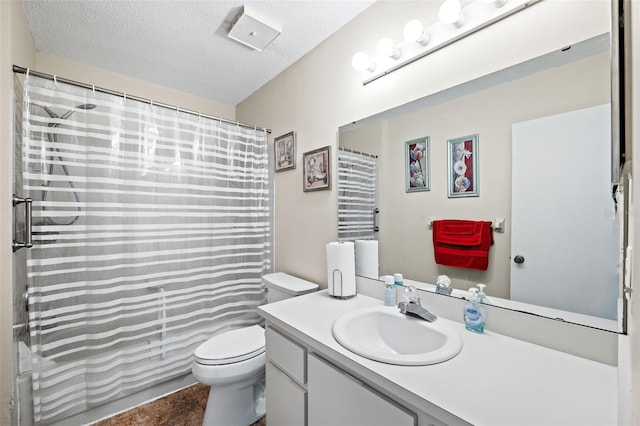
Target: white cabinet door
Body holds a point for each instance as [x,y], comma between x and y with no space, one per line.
[286,401]
[337,399]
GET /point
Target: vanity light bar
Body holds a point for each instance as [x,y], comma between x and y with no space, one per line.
[467,20]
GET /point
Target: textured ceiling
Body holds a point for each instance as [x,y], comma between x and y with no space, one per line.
[183,44]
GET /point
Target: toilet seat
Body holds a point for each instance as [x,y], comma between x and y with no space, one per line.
[232,346]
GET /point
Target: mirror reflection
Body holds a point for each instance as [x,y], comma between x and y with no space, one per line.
[543,165]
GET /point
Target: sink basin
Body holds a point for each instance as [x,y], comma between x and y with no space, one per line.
[384,334]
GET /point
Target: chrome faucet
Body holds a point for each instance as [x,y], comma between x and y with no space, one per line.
[413,308]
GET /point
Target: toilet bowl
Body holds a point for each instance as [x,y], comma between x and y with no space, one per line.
[232,362]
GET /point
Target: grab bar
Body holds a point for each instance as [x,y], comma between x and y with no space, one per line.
[28,243]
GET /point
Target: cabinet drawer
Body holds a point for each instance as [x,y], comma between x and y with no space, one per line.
[287,355]
[286,401]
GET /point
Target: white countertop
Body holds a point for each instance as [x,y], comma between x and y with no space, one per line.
[495,380]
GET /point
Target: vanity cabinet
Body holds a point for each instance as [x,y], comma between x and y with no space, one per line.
[305,389]
[337,398]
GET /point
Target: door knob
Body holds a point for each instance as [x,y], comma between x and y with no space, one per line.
[518,259]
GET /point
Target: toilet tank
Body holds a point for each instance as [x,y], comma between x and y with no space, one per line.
[282,286]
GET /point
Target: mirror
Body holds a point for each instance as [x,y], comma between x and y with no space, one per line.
[558,85]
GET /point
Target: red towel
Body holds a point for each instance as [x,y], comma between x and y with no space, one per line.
[462,243]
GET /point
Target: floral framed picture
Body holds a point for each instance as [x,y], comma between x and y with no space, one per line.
[285,152]
[316,171]
[462,171]
[416,164]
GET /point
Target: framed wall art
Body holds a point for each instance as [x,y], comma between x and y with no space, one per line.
[416,165]
[285,152]
[316,171]
[462,170]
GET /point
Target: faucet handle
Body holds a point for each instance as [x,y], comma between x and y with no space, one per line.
[411,294]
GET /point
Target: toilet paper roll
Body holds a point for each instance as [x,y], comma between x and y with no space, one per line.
[367,258]
[341,269]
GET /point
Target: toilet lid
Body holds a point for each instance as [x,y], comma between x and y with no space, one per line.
[232,346]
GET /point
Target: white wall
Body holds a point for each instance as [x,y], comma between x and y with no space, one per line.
[368,138]
[120,83]
[322,92]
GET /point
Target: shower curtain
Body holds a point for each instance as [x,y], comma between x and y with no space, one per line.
[152,229]
[357,195]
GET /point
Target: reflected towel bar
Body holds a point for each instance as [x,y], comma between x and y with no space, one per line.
[497,224]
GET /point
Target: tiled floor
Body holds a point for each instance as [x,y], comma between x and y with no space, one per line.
[183,408]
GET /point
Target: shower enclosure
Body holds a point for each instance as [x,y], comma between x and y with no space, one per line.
[150,230]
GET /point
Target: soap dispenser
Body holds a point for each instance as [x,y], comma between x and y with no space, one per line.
[474,316]
[481,294]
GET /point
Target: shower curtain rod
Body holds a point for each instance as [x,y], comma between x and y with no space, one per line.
[22,70]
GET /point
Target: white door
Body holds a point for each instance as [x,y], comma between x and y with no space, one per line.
[564,228]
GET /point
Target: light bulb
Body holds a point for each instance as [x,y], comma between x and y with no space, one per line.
[451,13]
[361,62]
[385,47]
[414,32]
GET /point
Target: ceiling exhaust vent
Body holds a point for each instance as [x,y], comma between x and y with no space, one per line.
[252,30]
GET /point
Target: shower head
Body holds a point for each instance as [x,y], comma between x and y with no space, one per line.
[86,106]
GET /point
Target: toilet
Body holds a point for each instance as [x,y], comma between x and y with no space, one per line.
[232,362]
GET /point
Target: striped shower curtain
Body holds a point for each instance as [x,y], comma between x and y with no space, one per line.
[357,195]
[152,229]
